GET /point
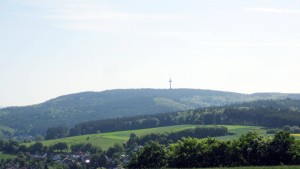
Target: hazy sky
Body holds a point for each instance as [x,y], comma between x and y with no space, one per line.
[53,47]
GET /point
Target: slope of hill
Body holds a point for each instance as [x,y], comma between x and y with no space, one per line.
[267,113]
[106,140]
[74,108]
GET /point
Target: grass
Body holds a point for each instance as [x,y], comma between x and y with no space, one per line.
[5,128]
[95,139]
[124,135]
[6,156]
[297,136]
[238,130]
[106,140]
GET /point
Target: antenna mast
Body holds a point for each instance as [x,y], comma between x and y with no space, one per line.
[170,81]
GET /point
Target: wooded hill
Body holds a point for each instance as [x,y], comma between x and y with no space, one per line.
[68,110]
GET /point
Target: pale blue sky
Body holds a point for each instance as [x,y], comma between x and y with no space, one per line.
[53,47]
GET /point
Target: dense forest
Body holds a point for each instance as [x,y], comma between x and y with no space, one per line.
[68,110]
[268,113]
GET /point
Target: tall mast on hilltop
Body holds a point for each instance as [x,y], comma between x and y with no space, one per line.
[170,81]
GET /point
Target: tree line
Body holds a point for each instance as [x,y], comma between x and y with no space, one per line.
[168,138]
[249,150]
[269,113]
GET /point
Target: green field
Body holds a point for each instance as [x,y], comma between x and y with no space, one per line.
[6,156]
[238,130]
[106,140]
[297,136]
[5,128]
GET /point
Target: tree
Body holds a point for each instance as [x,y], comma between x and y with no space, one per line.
[185,153]
[56,132]
[39,138]
[280,148]
[60,146]
[213,153]
[254,148]
[1,144]
[36,148]
[133,161]
[287,128]
[118,148]
[295,151]
[77,147]
[132,141]
[98,160]
[153,155]
[102,160]
[11,147]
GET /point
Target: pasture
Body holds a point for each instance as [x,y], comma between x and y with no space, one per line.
[106,140]
[5,128]
[6,156]
[297,136]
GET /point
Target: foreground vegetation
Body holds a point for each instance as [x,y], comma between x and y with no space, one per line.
[251,149]
[164,150]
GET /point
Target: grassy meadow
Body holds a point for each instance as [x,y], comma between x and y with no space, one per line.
[106,140]
[5,128]
[238,130]
[297,136]
[6,156]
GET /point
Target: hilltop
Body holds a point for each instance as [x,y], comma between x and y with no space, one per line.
[71,109]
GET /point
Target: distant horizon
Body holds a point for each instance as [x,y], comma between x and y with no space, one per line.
[56,47]
[5,106]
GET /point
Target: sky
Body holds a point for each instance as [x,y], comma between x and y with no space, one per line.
[50,48]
